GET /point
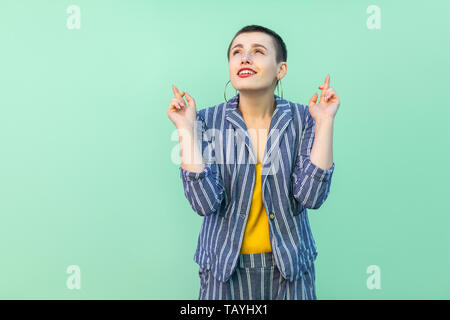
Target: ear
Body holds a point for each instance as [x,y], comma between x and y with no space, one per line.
[282,71]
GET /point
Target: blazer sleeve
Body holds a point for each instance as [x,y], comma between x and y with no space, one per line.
[311,184]
[204,190]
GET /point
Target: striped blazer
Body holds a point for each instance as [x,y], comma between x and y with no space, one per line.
[222,192]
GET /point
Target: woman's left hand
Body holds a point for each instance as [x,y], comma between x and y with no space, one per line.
[328,104]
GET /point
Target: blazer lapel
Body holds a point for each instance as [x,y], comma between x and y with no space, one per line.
[280,120]
[234,116]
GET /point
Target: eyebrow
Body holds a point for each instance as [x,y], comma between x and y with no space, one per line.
[253,45]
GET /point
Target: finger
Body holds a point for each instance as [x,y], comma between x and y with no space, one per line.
[179,95]
[174,107]
[177,101]
[324,88]
[313,100]
[333,97]
[322,95]
[177,105]
[329,94]
[176,92]
[327,81]
[190,100]
[181,102]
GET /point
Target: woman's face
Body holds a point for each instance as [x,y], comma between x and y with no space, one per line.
[254,50]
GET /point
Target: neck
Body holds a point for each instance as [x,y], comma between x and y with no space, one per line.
[255,105]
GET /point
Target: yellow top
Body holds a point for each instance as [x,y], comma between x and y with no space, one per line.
[256,235]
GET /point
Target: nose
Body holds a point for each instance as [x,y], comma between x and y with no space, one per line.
[245,58]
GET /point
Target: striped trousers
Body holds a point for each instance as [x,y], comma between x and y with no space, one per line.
[257,277]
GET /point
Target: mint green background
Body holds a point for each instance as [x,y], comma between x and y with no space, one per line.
[86,175]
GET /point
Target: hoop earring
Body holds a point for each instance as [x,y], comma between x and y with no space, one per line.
[225,91]
[279,81]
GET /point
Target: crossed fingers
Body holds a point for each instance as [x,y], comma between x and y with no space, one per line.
[327,91]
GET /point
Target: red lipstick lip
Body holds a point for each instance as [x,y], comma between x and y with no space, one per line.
[245,75]
[246,69]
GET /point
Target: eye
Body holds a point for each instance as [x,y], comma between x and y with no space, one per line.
[257,50]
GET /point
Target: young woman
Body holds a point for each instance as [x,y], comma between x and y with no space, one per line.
[251,167]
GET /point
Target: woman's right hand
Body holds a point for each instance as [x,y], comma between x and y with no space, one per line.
[181,114]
